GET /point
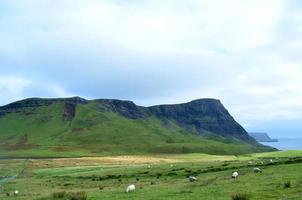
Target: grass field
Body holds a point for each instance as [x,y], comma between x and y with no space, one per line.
[156,177]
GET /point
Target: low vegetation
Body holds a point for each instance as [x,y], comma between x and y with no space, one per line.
[97,178]
[240,196]
[287,184]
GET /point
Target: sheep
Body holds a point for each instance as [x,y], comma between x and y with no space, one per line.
[171,165]
[192,178]
[130,188]
[16,192]
[271,160]
[149,166]
[256,169]
[235,175]
[250,162]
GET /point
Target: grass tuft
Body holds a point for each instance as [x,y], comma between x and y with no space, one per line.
[240,196]
[59,195]
[78,196]
[70,195]
[287,184]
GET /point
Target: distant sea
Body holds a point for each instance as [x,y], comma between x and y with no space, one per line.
[286,144]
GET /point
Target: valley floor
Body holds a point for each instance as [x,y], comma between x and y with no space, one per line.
[155,177]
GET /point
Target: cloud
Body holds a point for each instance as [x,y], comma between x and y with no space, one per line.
[16,88]
[246,53]
[11,88]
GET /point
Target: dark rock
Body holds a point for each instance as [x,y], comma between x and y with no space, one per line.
[203,115]
[28,106]
[69,111]
[125,108]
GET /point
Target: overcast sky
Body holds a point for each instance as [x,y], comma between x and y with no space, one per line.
[245,53]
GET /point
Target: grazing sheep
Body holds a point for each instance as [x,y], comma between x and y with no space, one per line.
[235,175]
[256,169]
[271,160]
[16,192]
[130,188]
[250,162]
[192,178]
[149,166]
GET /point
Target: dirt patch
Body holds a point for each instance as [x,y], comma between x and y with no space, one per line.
[62,148]
[76,130]
[22,143]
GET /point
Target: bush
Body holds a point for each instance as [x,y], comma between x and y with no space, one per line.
[287,184]
[71,195]
[240,196]
[78,196]
[59,195]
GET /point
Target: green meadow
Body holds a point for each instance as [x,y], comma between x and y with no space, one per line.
[155,177]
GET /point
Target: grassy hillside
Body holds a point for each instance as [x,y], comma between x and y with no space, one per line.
[55,130]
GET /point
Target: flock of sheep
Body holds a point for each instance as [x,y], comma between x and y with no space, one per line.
[235,174]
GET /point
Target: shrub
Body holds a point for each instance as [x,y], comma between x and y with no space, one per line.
[59,195]
[287,184]
[240,196]
[78,196]
[71,195]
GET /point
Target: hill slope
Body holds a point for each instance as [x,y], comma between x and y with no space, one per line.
[78,127]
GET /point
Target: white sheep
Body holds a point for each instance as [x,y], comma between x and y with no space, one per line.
[192,178]
[235,175]
[271,160]
[250,162]
[16,192]
[149,166]
[130,188]
[256,169]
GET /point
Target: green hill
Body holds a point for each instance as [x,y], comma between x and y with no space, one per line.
[77,127]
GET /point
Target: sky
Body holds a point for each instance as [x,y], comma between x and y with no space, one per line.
[245,53]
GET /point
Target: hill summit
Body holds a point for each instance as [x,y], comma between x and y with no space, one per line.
[61,127]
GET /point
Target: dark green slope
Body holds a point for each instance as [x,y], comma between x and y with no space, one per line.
[78,127]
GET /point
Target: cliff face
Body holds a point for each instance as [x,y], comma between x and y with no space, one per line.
[34,103]
[203,115]
[262,137]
